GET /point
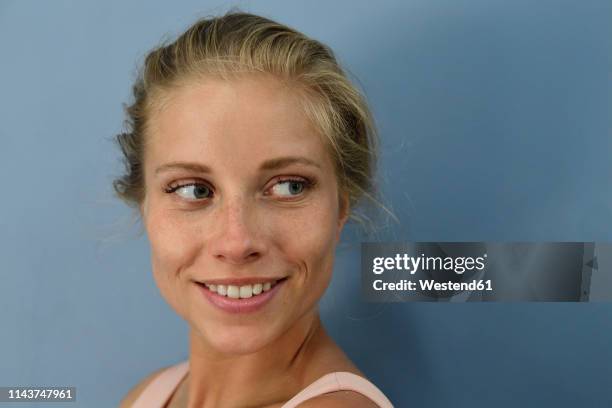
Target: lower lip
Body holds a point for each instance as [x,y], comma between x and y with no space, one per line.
[246,305]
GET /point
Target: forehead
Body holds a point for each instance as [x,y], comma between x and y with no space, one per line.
[250,118]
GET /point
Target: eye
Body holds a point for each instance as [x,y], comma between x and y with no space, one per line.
[291,187]
[191,191]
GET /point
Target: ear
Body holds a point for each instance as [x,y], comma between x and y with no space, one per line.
[343,213]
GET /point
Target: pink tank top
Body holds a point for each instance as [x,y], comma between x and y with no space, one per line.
[158,392]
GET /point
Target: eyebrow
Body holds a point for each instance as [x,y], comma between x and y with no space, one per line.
[272,164]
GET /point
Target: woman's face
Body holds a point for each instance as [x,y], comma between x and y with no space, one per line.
[259,202]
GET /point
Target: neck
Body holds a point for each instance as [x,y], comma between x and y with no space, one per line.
[269,375]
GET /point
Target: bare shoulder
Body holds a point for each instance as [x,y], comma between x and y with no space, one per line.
[339,399]
[135,392]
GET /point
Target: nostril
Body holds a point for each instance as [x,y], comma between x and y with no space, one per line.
[253,255]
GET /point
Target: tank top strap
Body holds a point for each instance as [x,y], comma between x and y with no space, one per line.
[157,393]
[340,381]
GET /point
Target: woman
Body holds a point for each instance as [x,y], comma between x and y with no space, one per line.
[247,150]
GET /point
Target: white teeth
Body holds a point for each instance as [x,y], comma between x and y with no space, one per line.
[246,291]
[240,292]
[233,292]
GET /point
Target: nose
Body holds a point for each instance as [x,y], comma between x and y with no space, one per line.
[237,238]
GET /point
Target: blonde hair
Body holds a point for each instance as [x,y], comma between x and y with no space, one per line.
[245,43]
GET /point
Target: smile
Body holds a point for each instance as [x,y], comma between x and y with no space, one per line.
[241,292]
[244,298]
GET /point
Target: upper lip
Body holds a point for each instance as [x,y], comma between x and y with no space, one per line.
[241,281]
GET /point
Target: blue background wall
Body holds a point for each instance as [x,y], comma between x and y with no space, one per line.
[496,125]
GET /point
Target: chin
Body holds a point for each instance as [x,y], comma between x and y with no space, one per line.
[237,339]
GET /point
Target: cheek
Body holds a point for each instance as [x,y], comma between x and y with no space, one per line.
[308,239]
[171,252]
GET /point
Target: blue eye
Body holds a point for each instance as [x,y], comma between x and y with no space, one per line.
[291,187]
[196,190]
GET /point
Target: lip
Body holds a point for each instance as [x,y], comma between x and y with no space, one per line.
[241,281]
[239,306]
